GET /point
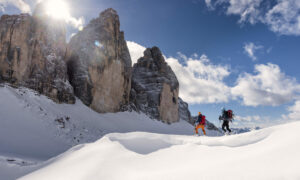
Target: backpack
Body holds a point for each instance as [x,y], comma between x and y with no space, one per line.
[203,120]
[199,119]
[229,114]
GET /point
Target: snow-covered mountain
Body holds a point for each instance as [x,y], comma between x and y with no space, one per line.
[93,73]
[41,139]
[34,128]
[95,66]
[129,145]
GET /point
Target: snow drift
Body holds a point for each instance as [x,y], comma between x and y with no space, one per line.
[34,126]
[271,153]
[33,129]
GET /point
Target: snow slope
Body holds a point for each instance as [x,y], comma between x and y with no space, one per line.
[33,128]
[271,153]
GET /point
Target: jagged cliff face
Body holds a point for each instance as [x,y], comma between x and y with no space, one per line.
[185,115]
[32,52]
[100,64]
[184,112]
[155,87]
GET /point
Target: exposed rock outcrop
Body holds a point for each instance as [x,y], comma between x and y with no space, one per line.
[96,64]
[184,112]
[185,115]
[100,64]
[32,52]
[155,87]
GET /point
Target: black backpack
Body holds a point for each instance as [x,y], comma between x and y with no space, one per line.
[227,114]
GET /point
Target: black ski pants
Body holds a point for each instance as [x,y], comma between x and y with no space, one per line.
[226,125]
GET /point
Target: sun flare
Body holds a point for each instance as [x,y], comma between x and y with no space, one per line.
[57,9]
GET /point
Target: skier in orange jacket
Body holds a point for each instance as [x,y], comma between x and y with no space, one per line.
[200,123]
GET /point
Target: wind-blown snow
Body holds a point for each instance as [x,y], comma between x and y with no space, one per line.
[271,153]
[130,145]
[33,128]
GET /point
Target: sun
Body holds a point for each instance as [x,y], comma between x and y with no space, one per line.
[57,9]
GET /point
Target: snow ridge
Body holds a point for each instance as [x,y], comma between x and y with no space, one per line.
[270,153]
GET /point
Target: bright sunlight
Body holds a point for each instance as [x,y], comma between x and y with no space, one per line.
[57,9]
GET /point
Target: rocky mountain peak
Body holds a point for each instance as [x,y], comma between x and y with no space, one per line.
[32,54]
[110,12]
[154,61]
[100,64]
[155,87]
[95,66]
[154,57]
[108,19]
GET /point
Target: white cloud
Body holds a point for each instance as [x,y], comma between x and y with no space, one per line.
[248,118]
[250,49]
[24,7]
[282,16]
[76,22]
[269,86]
[294,112]
[209,4]
[50,8]
[247,9]
[255,121]
[20,4]
[136,51]
[2,8]
[250,121]
[200,80]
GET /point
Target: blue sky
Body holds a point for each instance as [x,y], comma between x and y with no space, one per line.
[248,52]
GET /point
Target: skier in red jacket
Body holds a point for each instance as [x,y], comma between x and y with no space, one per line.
[200,123]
